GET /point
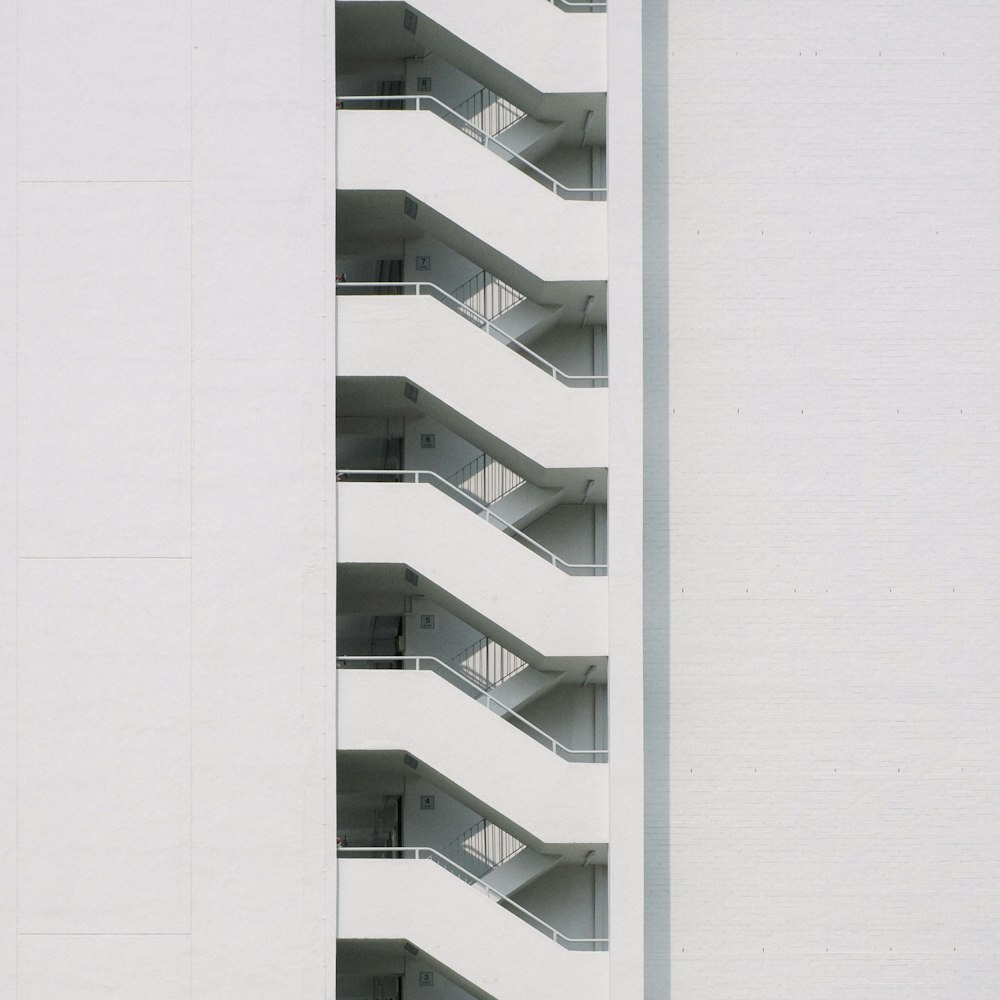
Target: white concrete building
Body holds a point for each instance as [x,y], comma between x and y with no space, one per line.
[377,455]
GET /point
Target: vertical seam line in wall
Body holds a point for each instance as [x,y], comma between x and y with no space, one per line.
[191,369]
[17,487]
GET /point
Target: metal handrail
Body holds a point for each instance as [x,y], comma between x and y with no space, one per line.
[557,186]
[597,381]
[599,569]
[492,894]
[553,744]
[597,6]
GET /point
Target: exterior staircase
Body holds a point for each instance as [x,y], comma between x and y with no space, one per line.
[483,947]
[526,787]
[472,200]
[454,557]
[457,31]
[490,393]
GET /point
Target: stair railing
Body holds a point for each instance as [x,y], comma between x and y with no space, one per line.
[428,853]
[486,479]
[433,665]
[485,296]
[423,101]
[486,844]
[427,288]
[470,502]
[486,111]
[598,7]
[488,663]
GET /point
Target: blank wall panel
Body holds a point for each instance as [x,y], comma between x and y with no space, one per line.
[105,90]
[8,493]
[834,237]
[104,272]
[104,339]
[91,967]
[258,136]
[105,459]
[262,84]
[104,746]
[257,585]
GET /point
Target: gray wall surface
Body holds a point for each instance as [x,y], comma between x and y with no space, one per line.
[656,495]
[834,182]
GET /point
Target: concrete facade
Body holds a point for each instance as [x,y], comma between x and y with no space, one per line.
[833,242]
[714,714]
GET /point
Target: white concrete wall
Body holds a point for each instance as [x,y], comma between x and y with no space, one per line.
[259,464]
[572,165]
[570,530]
[449,637]
[448,84]
[166,331]
[834,239]
[448,268]
[565,897]
[8,498]
[436,827]
[625,507]
[572,349]
[449,455]
[442,988]
[571,713]
[103,860]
